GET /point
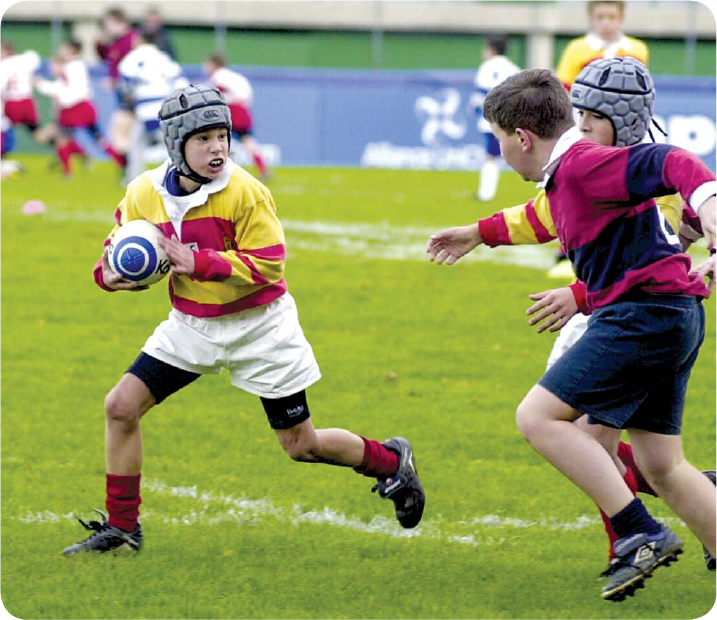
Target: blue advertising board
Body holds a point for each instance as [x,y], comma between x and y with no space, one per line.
[408,119]
[412,119]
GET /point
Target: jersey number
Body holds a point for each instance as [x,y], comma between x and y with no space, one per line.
[670,235]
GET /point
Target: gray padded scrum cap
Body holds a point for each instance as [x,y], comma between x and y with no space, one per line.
[620,89]
[187,111]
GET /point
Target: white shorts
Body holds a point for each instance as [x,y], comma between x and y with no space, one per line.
[263,348]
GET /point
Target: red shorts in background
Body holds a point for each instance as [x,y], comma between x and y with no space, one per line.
[241,118]
[81,115]
[22,112]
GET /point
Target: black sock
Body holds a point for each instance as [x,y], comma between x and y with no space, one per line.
[634,519]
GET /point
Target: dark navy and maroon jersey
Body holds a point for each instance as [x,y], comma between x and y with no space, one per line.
[115,51]
[602,203]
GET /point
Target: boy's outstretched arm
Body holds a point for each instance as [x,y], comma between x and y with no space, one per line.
[452,243]
[527,223]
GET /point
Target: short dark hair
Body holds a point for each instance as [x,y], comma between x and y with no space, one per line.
[534,100]
[117,14]
[217,58]
[620,4]
[498,43]
[75,44]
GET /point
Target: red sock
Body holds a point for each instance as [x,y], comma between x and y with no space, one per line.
[378,460]
[118,158]
[630,479]
[75,147]
[259,161]
[624,451]
[64,152]
[631,482]
[123,501]
[611,535]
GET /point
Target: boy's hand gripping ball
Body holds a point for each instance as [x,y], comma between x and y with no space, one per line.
[135,254]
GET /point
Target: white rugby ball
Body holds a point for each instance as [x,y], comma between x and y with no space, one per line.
[135,254]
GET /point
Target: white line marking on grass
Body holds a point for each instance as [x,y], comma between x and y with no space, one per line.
[101,216]
[551,523]
[45,516]
[367,240]
[386,241]
[214,508]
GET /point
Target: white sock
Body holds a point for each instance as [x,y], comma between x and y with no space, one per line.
[489,173]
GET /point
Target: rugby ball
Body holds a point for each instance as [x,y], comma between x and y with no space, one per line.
[135,254]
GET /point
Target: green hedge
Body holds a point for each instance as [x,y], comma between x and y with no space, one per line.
[310,48]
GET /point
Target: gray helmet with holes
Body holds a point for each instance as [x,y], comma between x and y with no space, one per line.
[620,89]
[187,111]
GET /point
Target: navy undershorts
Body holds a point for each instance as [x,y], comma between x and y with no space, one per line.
[163,380]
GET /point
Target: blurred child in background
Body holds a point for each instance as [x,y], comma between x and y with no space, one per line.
[16,76]
[71,92]
[239,95]
[115,42]
[495,68]
[148,76]
[604,40]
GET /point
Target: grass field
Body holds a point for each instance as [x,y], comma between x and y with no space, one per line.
[233,528]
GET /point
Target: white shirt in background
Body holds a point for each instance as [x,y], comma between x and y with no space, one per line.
[16,75]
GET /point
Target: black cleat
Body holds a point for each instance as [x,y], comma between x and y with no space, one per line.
[106,538]
[611,568]
[638,556]
[709,558]
[403,488]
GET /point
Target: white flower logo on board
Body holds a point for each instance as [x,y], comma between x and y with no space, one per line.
[440,117]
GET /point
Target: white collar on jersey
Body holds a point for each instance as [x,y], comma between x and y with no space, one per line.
[609,49]
[570,137]
[177,206]
[200,195]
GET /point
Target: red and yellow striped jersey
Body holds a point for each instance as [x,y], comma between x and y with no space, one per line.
[583,50]
[232,227]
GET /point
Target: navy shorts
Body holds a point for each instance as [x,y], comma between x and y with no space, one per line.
[630,368]
[492,146]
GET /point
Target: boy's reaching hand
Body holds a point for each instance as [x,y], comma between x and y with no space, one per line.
[452,243]
[707,270]
[181,257]
[558,304]
[115,281]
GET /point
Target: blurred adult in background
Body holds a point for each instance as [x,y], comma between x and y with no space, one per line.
[17,71]
[239,95]
[153,31]
[494,69]
[148,76]
[115,42]
[604,40]
[72,95]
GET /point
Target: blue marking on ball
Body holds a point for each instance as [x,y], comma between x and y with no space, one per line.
[135,258]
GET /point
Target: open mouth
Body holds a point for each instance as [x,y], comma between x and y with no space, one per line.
[216,164]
